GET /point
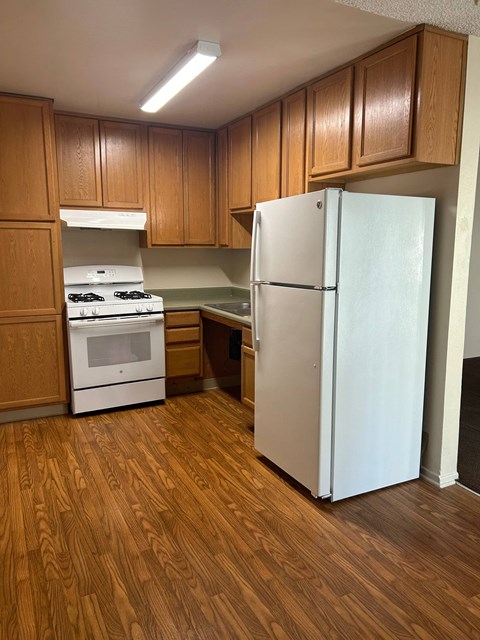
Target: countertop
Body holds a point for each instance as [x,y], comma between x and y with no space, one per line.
[198,298]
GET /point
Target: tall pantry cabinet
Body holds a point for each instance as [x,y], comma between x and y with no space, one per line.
[32,349]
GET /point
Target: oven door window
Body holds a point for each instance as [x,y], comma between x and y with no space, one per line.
[104,354]
[123,348]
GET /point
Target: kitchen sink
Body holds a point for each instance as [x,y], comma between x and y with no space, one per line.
[237,308]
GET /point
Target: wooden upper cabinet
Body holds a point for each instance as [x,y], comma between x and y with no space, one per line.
[28,186]
[240,165]
[122,155]
[101,164]
[78,160]
[199,187]
[385,103]
[266,162]
[30,251]
[182,187]
[293,143]
[166,186]
[440,87]
[329,117]
[223,211]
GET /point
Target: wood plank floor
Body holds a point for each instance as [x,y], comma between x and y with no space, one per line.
[163,523]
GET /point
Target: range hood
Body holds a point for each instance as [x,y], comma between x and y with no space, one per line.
[89,219]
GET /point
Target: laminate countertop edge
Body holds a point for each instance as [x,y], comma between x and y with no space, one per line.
[197,300]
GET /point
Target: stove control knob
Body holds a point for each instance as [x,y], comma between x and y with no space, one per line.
[95,311]
[139,308]
[84,312]
[150,307]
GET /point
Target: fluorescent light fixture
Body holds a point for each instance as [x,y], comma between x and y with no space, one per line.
[197,59]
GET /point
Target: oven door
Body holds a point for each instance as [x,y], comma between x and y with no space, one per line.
[108,351]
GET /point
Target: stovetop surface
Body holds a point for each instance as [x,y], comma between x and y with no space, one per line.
[107,290]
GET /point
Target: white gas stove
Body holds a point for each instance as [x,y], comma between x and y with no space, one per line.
[116,338]
[99,291]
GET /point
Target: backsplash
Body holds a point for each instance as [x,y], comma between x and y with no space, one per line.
[162,268]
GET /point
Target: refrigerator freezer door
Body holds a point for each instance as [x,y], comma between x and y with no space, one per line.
[295,240]
[293,382]
[385,255]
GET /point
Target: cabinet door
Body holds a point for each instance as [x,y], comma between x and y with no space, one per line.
[33,364]
[122,165]
[199,187]
[240,165]
[384,103]
[248,376]
[329,108]
[223,211]
[78,161]
[266,140]
[28,186]
[31,265]
[293,144]
[166,186]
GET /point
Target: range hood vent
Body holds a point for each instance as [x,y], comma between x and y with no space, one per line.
[89,219]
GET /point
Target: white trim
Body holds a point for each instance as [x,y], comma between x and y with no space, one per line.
[438,480]
[475,493]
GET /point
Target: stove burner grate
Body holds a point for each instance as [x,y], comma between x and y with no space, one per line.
[85,297]
[131,295]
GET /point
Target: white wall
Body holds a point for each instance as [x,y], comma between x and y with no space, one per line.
[472,327]
[162,268]
[185,268]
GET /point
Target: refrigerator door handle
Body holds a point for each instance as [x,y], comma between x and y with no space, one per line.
[255,237]
[253,299]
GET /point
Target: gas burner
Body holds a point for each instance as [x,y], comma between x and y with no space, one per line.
[85,297]
[131,295]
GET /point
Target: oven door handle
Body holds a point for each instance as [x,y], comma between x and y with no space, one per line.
[117,322]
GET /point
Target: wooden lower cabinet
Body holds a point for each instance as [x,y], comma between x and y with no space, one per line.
[183,344]
[33,362]
[248,369]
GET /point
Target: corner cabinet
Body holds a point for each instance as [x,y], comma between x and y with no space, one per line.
[234,231]
[182,187]
[240,165]
[101,163]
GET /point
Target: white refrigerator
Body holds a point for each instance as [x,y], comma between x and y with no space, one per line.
[340,286]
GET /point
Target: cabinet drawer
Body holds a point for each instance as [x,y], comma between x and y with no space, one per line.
[183,361]
[247,337]
[185,334]
[182,318]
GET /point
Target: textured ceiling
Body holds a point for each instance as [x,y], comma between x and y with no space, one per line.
[462,16]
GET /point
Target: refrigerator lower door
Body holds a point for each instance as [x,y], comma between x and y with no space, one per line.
[385,257]
[293,382]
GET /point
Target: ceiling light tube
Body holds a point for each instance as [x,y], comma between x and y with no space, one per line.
[197,59]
